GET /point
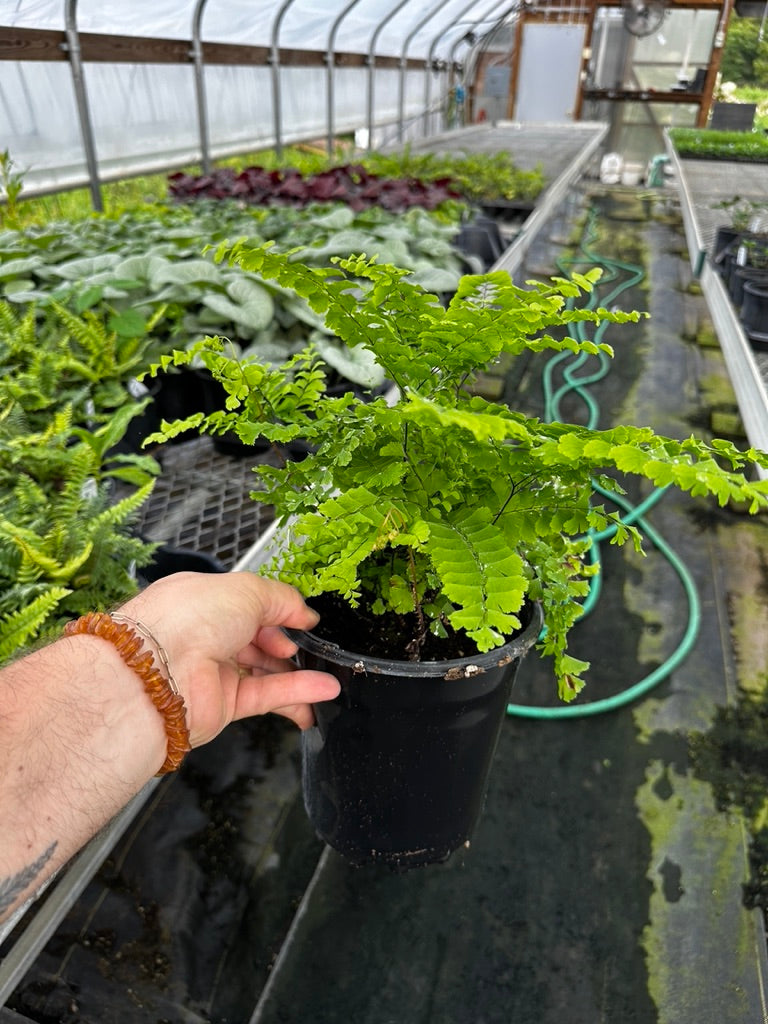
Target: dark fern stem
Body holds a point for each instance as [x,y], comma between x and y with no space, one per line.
[415,645]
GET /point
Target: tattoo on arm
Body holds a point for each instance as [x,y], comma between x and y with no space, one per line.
[11,888]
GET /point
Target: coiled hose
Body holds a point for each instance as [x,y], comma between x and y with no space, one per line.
[627,275]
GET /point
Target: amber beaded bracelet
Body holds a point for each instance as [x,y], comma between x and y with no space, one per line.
[123,634]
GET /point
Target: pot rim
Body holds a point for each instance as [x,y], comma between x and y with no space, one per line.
[757,288]
[454,668]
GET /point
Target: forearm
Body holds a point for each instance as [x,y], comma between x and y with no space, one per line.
[78,738]
[81,731]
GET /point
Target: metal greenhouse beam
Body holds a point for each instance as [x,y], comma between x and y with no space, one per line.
[483,17]
[274,60]
[489,35]
[515,5]
[202,104]
[435,42]
[330,58]
[403,64]
[74,57]
[372,62]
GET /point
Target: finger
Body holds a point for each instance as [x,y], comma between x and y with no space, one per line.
[282,605]
[259,695]
[273,640]
[301,714]
[261,663]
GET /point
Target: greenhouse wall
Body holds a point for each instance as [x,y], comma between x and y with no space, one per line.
[144,116]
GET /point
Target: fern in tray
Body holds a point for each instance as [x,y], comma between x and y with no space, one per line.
[437,502]
[66,539]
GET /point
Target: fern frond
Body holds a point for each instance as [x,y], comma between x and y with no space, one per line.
[479,575]
[91,334]
[21,627]
[36,562]
[117,515]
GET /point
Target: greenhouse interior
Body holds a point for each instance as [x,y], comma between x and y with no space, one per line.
[450,322]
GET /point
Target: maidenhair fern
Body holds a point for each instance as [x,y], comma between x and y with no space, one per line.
[439,502]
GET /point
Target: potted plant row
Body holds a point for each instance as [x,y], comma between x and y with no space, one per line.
[433,531]
[740,254]
[395,181]
[142,274]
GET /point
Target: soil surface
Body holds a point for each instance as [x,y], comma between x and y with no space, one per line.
[391,636]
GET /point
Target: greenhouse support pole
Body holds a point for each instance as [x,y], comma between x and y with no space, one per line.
[274,60]
[202,105]
[372,64]
[404,63]
[487,36]
[433,47]
[452,67]
[330,59]
[74,56]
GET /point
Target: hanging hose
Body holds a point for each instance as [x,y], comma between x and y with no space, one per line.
[633,515]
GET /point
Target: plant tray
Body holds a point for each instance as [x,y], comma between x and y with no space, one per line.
[201,501]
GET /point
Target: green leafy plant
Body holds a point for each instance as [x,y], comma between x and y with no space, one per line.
[55,358]
[141,275]
[706,143]
[11,184]
[439,503]
[66,540]
[740,211]
[69,496]
[756,251]
[476,175]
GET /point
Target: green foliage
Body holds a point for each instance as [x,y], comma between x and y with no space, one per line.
[142,274]
[19,628]
[57,358]
[66,544]
[131,194]
[716,145]
[475,175]
[740,211]
[478,175]
[745,55]
[440,502]
[11,184]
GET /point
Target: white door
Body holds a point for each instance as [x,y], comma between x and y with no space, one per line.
[548,79]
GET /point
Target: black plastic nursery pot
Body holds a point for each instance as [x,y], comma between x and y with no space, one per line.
[739,276]
[395,770]
[482,239]
[725,244]
[754,312]
[507,209]
[168,559]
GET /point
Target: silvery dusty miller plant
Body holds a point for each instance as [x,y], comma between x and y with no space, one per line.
[442,503]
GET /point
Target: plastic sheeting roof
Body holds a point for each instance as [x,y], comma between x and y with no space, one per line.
[306,24]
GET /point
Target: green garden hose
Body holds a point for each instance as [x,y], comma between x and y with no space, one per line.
[632,275]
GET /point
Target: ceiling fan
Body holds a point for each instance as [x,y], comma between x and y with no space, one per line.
[643,17]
